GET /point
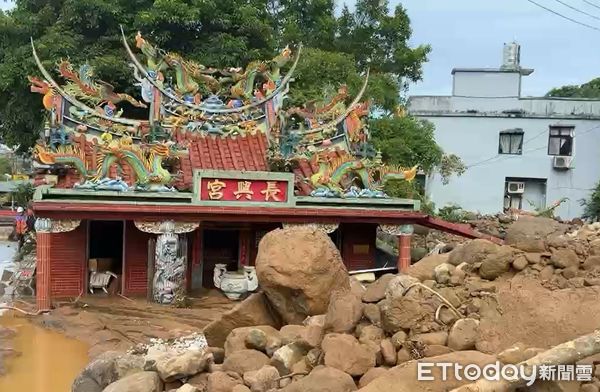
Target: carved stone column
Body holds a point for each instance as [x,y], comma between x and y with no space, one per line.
[169,260]
[44,228]
[404,234]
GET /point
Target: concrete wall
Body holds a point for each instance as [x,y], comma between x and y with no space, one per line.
[487,84]
[481,188]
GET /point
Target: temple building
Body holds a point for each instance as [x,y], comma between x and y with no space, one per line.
[160,204]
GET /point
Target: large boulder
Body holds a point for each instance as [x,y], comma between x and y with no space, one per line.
[371,375]
[171,368]
[497,263]
[254,310]
[106,369]
[262,380]
[323,379]
[298,269]
[404,313]
[344,312]
[376,291]
[223,381]
[345,353]
[565,258]
[245,361]
[137,382]
[424,269]
[463,334]
[528,228]
[472,252]
[403,378]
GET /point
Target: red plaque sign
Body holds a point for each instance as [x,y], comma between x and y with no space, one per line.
[243,190]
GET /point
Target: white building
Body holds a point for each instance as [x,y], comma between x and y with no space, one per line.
[521,152]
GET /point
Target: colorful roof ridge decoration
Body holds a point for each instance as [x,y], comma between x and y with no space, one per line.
[202,118]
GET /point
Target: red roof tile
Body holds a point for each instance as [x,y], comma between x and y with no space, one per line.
[241,153]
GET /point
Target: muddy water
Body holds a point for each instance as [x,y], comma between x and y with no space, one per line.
[49,361]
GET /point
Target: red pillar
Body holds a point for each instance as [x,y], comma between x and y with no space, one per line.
[42,286]
[244,248]
[404,252]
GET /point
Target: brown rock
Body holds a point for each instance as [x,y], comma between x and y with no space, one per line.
[595,247]
[399,284]
[497,263]
[388,352]
[432,338]
[570,272]
[531,245]
[472,252]
[403,378]
[450,295]
[291,333]
[223,381]
[592,281]
[305,263]
[564,258]
[577,282]
[238,338]
[533,258]
[547,272]
[357,287]
[404,313]
[591,262]
[245,361]
[403,356]
[288,355]
[187,388]
[262,380]
[344,312]
[376,291]
[314,358]
[515,354]
[372,313]
[200,381]
[323,379]
[309,337]
[345,353]
[532,228]
[218,354]
[174,385]
[588,388]
[254,310]
[423,269]
[171,368]
[318,320]
[137,382]
[435,349]
[464,334]
[371,375]
[398,339]
[240,388]
[371,334]
[520,263]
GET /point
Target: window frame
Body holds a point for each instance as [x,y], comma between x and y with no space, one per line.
[511,133]
[570,135]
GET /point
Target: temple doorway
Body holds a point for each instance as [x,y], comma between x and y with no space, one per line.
[105,256]
[220,247]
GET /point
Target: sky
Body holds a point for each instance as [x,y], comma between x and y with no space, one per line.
[471,33]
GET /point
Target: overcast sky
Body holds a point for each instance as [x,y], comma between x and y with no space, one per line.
[470,33]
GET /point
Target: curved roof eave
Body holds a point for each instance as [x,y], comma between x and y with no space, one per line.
[277,91]
[75,101]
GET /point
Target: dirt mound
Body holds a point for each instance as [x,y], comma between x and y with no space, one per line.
[528,312]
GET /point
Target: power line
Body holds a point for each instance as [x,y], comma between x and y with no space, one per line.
[563,16]
[577,9]
[592,4]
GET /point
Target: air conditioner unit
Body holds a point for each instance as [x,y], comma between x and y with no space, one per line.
[516,187]
[563,163]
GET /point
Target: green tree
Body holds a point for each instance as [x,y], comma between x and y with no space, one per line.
[591,206]
[590,89]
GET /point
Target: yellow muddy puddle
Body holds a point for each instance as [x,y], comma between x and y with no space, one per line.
[48,362]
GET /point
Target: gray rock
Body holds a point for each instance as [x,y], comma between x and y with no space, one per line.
[137,382]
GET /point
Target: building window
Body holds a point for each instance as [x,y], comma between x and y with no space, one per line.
[560,141]
[511,142]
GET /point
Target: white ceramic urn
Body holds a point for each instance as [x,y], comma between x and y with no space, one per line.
[234,285]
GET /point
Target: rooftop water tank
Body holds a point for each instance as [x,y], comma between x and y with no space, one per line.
[511,58]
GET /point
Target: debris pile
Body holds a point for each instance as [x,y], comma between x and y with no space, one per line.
[313,328]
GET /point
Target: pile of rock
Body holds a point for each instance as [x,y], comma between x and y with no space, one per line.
[313,328]
[536,247]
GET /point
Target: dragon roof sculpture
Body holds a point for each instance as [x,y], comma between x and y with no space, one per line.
[203,117]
